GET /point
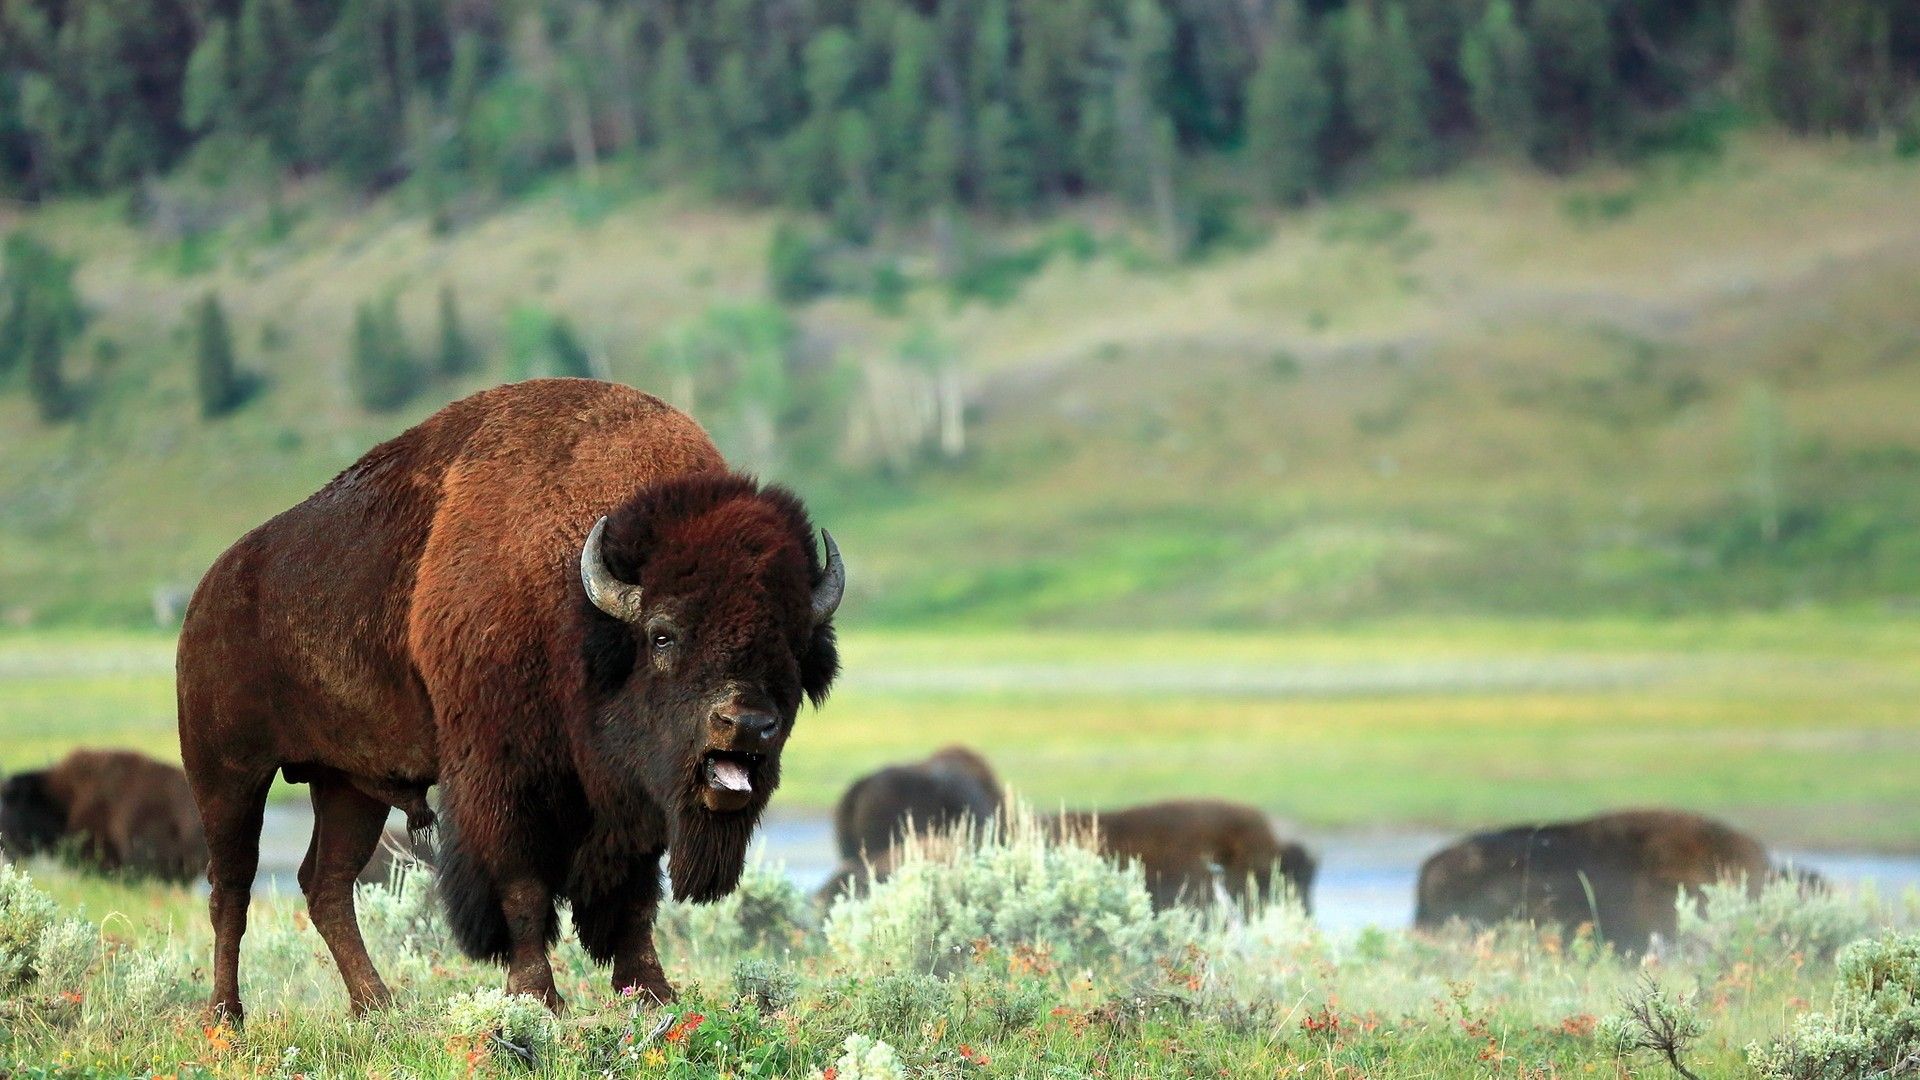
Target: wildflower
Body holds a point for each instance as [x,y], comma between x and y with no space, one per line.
[687,1026]
[219,1037]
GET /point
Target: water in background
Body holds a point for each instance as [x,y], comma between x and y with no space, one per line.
[1366,878]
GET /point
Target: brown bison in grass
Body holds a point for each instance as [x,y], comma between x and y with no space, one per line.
[953,786]
[122,812]
[553,600]
[1180,844]
[1622,872]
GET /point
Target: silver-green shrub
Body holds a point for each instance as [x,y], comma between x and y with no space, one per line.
[68,948]
[766,912]
[1872,1031]
[866,1059]
[520,1021]
[26,914]
[401,921]
[1729,926]
[1020,889]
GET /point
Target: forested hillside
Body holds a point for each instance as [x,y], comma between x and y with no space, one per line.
[1059,310]
[883,110]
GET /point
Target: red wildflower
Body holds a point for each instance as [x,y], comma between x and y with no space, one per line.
[687,1026]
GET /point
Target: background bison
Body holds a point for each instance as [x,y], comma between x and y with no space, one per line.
[1623,872]
[587,696]
[121,811]
[1181,843]
[952,786]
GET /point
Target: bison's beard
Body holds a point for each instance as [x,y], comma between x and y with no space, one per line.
[708,850]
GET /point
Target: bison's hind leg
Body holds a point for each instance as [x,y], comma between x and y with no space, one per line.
[231,807]
[347,825]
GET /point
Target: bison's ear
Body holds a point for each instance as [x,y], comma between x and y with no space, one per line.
[820,664]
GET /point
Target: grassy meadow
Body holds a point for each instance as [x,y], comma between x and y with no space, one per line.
[1802,727]
[1015,958]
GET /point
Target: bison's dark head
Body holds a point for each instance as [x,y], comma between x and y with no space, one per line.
[714,619]
[31,819]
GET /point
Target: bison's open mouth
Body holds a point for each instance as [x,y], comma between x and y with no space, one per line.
[727,779]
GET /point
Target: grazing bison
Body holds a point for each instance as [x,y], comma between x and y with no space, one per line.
[124,812]
[1180,843]
[952,786]
[553,600]
[1623,872]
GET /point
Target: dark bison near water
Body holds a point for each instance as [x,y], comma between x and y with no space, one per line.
[952,786]
[1181,844]
[120,811]
[1622,872]
[551,599]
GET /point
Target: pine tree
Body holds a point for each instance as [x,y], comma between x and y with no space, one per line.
[1573,47]
[41,319]
[941,161]
[456,355]
[990,65]
[1288,108]
[216,381]
[567,353]
[904,108]
[267,72]
[46,350]
[1498,66]
[793,266]
[1147,141]
[855,209]
[1387,92]
[382,370]
[1001,163]
[206,95]
[832,64]
[1055,39]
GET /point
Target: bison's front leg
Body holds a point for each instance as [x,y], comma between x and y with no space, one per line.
[635,963]
[528,906]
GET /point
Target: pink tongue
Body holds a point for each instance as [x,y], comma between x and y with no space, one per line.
[730,775]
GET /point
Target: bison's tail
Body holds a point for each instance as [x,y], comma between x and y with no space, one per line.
[470,900]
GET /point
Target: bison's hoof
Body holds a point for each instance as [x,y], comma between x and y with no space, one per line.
[225,1012]
[658,991]
[372,1001]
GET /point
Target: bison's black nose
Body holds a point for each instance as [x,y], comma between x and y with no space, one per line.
[752,731]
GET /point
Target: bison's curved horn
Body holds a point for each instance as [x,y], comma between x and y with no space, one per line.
[608,593]
[833,583]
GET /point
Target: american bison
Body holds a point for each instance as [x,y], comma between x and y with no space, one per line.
[1180,844]
[952,786]
[554,601]
[1623,872]
[123,812]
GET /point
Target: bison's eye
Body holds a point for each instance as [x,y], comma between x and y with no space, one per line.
[662,641]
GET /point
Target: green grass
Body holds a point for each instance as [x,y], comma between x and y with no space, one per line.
[1801,727]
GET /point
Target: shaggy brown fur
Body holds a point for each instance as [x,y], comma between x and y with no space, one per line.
[1622,872]
[124,812]
[1180,843]
[952,786]
[422,620]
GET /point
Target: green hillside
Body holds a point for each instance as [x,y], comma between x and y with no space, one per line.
[1687,384]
